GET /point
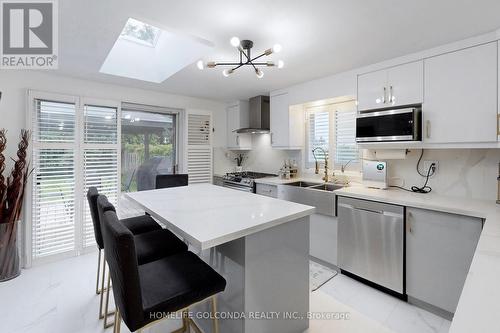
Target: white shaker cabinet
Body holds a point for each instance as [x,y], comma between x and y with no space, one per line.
[460,92]
[287,123]
[238,117]
[394,86]
[439,251]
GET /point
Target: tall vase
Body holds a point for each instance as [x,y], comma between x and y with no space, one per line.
[9,254]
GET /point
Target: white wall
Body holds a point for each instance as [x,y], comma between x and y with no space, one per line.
[14,84]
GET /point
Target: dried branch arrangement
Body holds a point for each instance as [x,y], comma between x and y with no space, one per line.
[12,190]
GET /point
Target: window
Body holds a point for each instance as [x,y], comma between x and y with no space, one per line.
[75,146]
[100,159]
[140,32]
[345,137]
[148,145]
[332,128]
[319,133]
[53,204]
[199,147]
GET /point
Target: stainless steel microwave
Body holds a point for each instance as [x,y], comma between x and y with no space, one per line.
[403,124]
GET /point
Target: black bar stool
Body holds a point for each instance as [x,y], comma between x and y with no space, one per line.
[150,246]
[136,225]
[165,181]
[153,242]
[166,286]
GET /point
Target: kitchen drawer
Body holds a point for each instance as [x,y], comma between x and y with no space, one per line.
[267,190]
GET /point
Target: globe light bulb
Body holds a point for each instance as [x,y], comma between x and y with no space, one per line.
[200,65]
[227,72]
[235,41]
[277,48]
[259,73]
[281,64]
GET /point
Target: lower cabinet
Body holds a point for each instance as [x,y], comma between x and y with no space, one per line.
[323,238]
[439,251]
[267,190]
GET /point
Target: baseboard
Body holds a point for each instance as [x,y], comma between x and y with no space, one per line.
[431,308]
[324,263]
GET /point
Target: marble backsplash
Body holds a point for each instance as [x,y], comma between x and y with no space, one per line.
[470,173]
[262,157]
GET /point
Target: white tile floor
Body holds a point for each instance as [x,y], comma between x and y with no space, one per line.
[59,297]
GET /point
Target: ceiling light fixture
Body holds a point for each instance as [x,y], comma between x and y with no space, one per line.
[244,47]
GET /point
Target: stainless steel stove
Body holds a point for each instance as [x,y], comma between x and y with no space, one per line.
[243,181]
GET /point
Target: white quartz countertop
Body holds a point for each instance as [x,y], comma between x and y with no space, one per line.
[461,206]
[478,307]
[208,215]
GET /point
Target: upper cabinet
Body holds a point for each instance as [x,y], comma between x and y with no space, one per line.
[237,117]
[461,96]
[287,123]
[395,86]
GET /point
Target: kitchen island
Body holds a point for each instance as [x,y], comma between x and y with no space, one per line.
[259,244]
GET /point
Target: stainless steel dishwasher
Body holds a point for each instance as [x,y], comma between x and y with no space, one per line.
[371,241]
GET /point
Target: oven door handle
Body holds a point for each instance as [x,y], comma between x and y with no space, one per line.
[239,188]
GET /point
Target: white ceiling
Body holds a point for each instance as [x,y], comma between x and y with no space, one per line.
[319,37]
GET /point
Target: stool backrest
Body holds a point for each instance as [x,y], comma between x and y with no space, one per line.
[165,181]
[92,195]
[121,257]
[103,205]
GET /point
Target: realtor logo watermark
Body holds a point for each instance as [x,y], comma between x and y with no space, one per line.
[29,38]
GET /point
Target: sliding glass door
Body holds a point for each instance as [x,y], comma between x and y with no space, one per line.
[148,147]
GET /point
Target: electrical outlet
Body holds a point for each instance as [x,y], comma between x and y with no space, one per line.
[427,165]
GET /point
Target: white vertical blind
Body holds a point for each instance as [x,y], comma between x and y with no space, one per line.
[100,160]
[333,128]
[53,205]
[199,148]
[101,171]
[54,202]
[71,152]
[345,137]
[55,122]
[319,133]
[100,124]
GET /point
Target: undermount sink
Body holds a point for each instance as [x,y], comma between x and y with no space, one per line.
[326,187]
[302,184]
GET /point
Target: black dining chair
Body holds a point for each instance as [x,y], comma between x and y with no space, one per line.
[150,245]
[165,181]
[165,286]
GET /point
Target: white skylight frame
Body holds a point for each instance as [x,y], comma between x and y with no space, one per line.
[134,58]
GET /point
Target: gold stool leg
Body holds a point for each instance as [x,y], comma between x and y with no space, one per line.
[101,315]
[185,323]
[118,322]
[106,307]
[214,312]
[97,291]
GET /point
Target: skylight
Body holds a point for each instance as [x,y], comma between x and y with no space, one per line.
[140,32]
[145,52]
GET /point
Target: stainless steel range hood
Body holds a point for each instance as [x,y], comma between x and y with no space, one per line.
[259,116]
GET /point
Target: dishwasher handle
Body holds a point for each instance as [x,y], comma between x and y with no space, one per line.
[381,212]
